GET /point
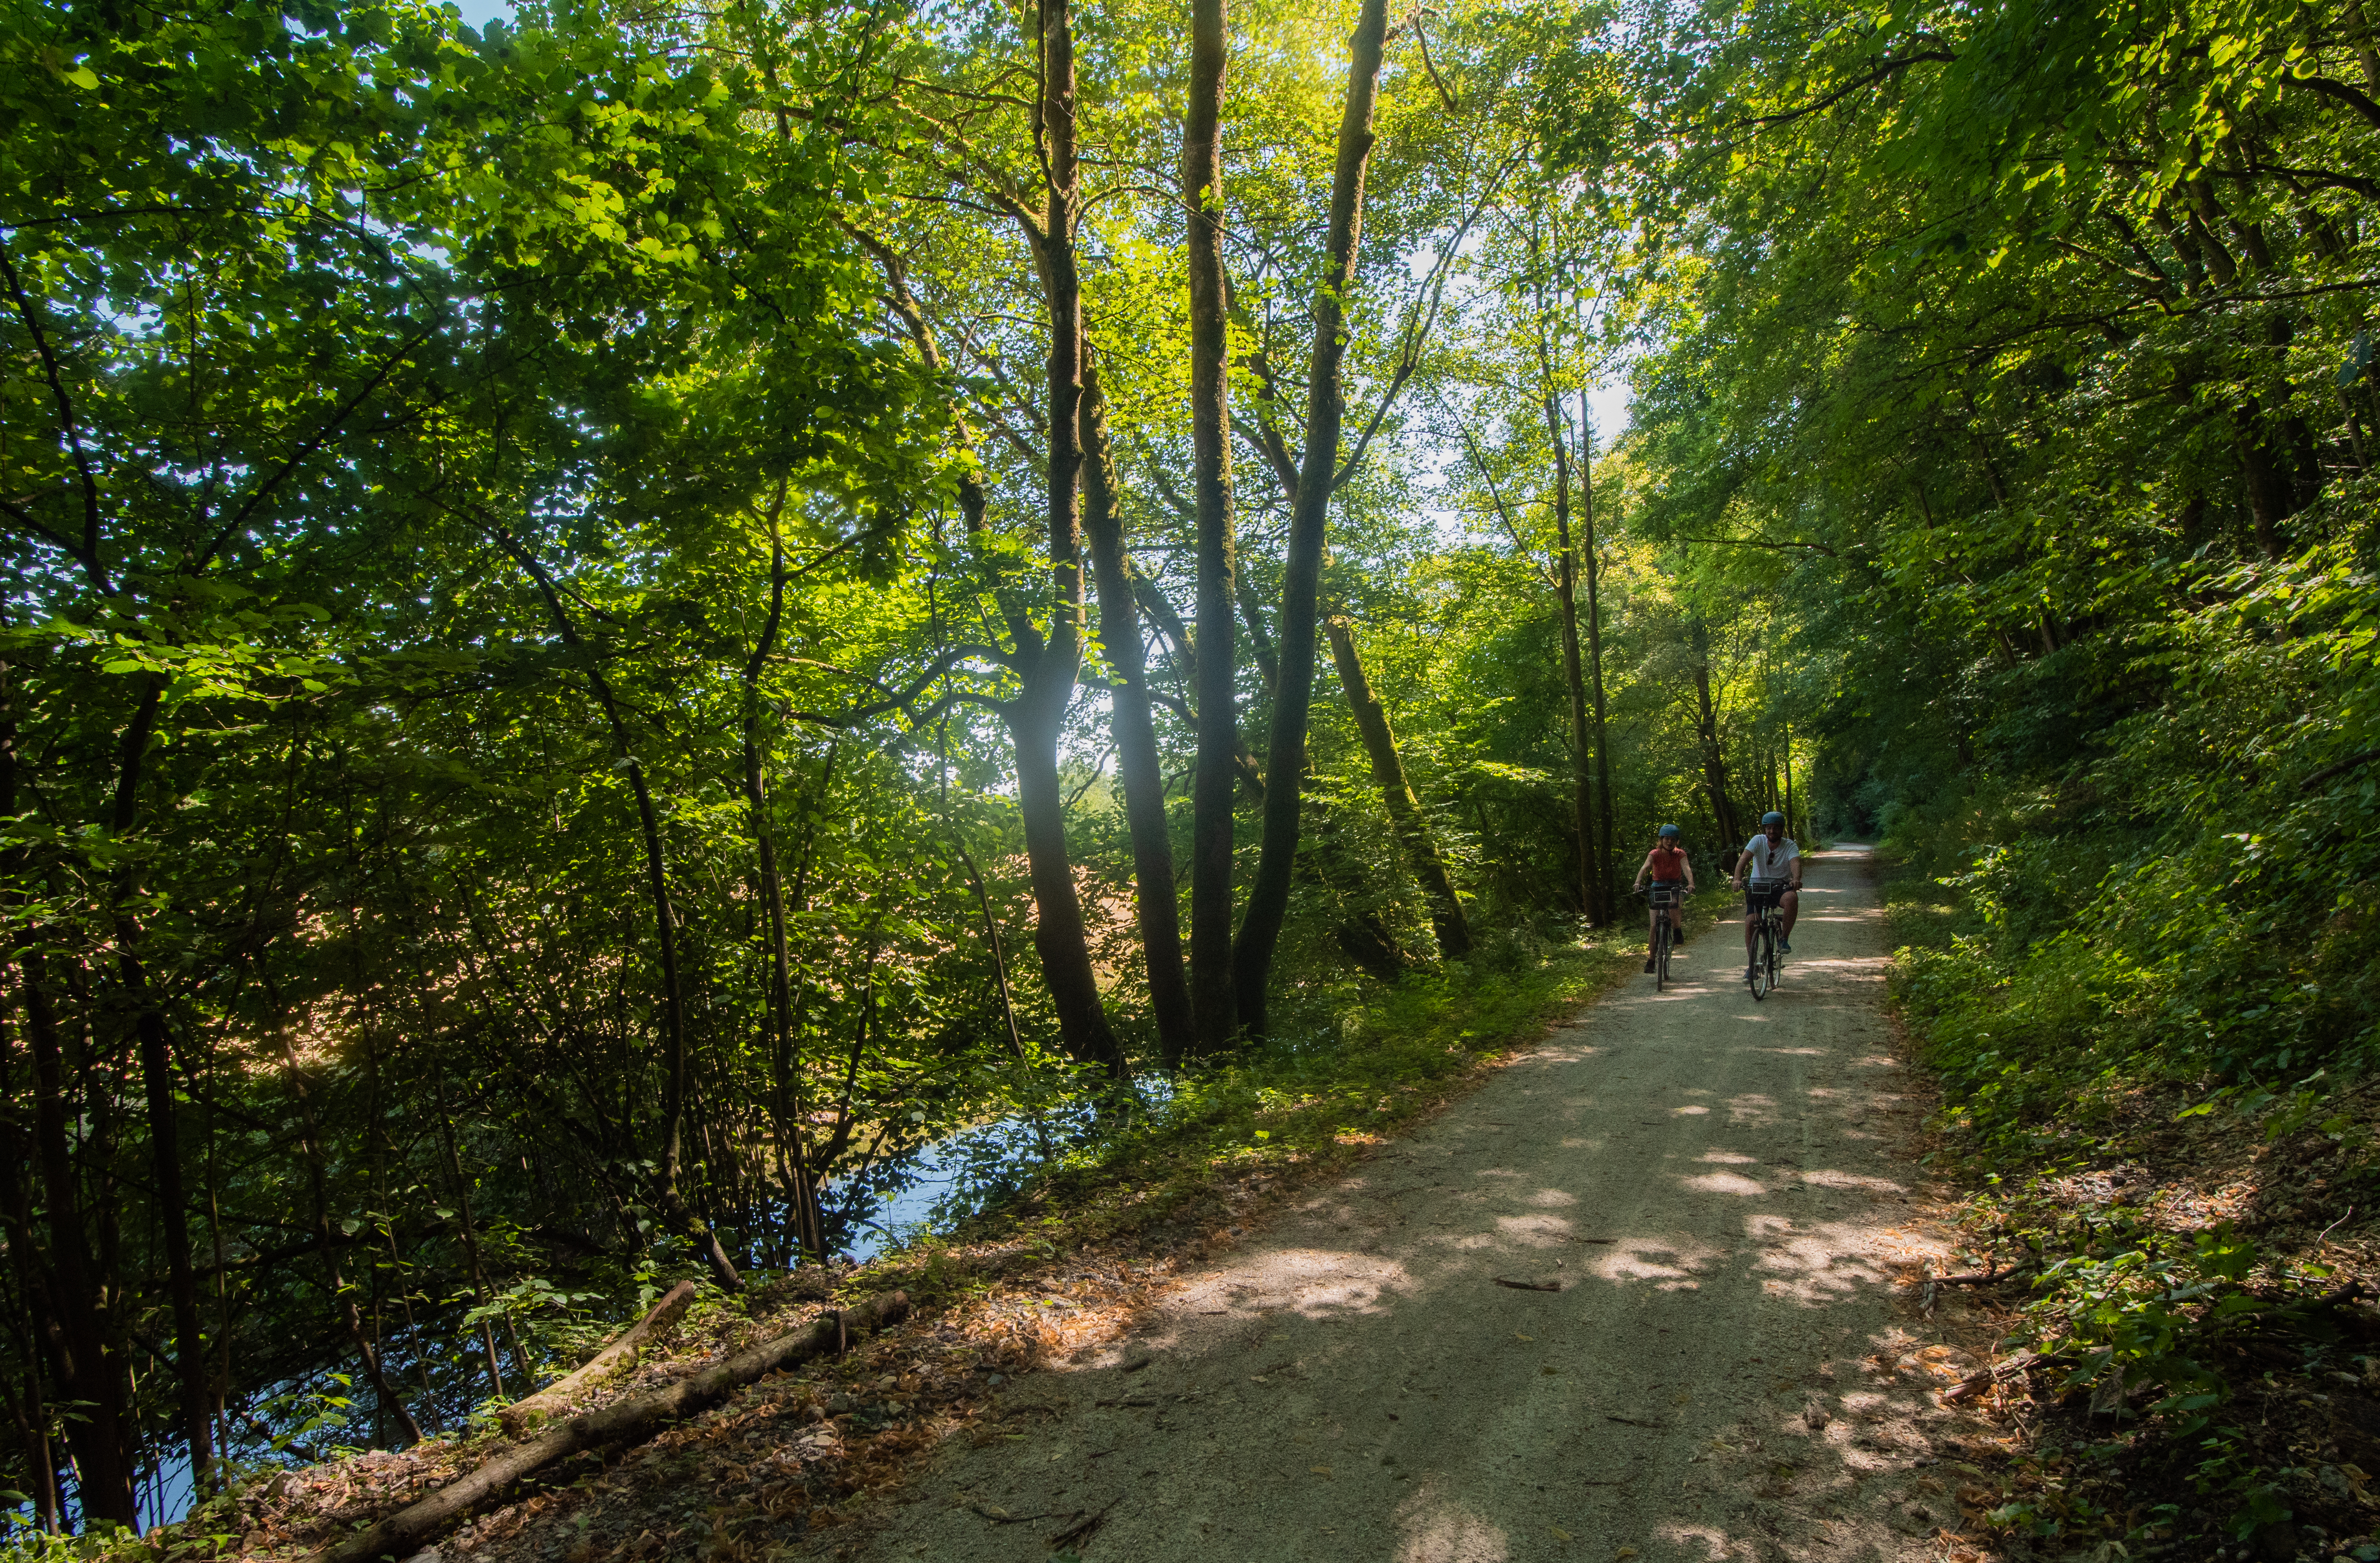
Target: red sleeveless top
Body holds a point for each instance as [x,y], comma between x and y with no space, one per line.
[1668,864]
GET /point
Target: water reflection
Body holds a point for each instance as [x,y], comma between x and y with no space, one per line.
[929,1187]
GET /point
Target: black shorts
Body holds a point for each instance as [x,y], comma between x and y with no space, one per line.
[1756,897]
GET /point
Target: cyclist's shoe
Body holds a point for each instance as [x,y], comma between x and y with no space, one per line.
[1677,938]
[1648,963]
[1785,946]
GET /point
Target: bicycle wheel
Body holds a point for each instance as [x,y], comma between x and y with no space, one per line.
[1764,961]
[1661,954]
[1775,937]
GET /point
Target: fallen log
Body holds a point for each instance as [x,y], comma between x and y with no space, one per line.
[630,1421]
[523,1416]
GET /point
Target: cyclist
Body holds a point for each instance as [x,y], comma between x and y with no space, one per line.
[1769,869]
[1666,864]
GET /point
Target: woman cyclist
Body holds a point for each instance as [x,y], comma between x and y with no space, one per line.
[1666,864]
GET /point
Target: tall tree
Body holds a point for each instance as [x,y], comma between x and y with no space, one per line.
[1268,901]
[1214,780]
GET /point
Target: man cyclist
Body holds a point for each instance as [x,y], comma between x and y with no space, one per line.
[1666,864]
[1769,869]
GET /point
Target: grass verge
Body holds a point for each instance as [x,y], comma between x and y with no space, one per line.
[2176,1266]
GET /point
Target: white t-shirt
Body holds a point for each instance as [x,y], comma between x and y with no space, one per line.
[1772,864]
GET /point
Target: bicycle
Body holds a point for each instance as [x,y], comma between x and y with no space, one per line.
[1661,897]
[1768,932]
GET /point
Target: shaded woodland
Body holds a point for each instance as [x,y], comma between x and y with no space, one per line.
[615,620]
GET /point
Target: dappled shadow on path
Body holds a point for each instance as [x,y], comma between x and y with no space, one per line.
[1647,1290]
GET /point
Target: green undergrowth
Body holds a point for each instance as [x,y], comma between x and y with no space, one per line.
[2112,1008]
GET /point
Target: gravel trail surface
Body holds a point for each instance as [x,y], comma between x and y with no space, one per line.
[1735,1365]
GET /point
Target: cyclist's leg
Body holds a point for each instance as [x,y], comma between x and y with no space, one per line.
[1792,905]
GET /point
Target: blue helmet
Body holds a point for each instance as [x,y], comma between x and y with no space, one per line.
[1669,832]
[1771,817]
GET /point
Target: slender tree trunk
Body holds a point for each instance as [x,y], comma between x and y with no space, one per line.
[350,1320]
[1135,737]
[1035,715]
[674,1044]
[1714,762]
[470,1239]
[1605,844]
[174,1223]
[1213,1009]
[1405,809]
[1581,797]
[798,1190]
[1268,905]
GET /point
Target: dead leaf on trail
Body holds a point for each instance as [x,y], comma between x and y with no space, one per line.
[1625,1552]
[1518,1335]
[1560,1534]
[1321,1471]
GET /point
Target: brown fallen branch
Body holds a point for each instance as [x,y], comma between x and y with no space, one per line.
[1528,1286]
[1976,1383]
[623,1422]
[620,1356]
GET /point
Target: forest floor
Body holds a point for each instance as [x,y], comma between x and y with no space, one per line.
[1715,1347]
[1654,1287]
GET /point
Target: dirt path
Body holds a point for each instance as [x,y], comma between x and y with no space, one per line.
[1733,1368]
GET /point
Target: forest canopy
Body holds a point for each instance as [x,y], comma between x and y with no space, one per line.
[615,620]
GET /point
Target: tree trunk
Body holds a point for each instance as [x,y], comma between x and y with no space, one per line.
[799,1191]
[172,1220]
[1135,737]
[1213,1009]
[86,1371]
[1582,800]
[674,1048]
[1404,810]
[1714,762]
[1605,845]
[1049,667]
[1268,905]
[470,1240]
[309,1145]
[157,1080]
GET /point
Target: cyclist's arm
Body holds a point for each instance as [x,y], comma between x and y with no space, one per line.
[1688,865]
[1797,870]
[1642,870]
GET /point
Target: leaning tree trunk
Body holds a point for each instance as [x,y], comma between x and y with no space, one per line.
[1211,786]
[673,1049]
[1582,797]
[1405,809]
[1135,737]
[1293,704]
